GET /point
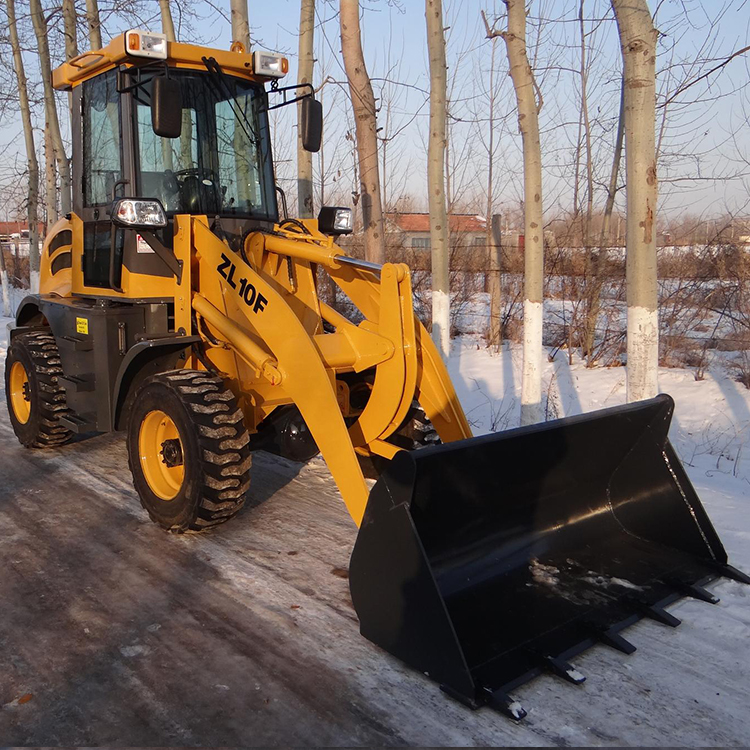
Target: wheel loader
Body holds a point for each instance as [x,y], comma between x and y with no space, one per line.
[179,306]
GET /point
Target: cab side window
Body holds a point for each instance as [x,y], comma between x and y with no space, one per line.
[102,147]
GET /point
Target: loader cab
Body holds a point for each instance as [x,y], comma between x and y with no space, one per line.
[213,159]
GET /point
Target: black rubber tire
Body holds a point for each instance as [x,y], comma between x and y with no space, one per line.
[38,353]
[416,431]
[215,449]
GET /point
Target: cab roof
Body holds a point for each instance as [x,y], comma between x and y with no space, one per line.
[90,64]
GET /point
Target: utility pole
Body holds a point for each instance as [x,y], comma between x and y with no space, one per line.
[638,44]
[439,231]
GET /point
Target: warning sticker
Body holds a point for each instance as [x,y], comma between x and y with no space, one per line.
[142,246]
[82,325]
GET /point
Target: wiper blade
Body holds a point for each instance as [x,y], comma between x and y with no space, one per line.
[217,77]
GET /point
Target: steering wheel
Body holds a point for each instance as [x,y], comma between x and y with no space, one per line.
[173,185]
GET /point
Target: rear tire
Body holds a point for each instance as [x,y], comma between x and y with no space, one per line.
[188,450]
[35,398]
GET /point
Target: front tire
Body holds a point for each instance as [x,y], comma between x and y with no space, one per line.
[35,398]
[188,450]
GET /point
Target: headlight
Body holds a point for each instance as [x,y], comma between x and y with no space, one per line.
[146,44]
[335,220]
[139,214]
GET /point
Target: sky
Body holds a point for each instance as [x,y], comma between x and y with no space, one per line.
[704,140]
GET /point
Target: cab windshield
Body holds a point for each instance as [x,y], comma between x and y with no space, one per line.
[221,163]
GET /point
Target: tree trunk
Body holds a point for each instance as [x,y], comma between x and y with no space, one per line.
[494,237]
[305,75]
[94,24]
[439,234]
[50,109]
[50,179]
[71,40]
[4,284]
[167,25]
[528,124]
[240,23]
[363,105]
[638,45]
[28,135]
[69,24]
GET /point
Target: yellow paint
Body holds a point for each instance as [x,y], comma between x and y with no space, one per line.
[60,283]
[164,481]
[82,325]
[90,64]
[304,375]
[19,391]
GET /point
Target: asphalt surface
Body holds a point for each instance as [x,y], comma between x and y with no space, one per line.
[113,632]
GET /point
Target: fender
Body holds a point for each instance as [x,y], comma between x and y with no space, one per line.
[144,359]
[28,315]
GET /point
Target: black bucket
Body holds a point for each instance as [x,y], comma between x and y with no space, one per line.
[487,561]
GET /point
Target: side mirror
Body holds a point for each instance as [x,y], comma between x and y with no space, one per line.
[136,213]
[311,124]
[166,107]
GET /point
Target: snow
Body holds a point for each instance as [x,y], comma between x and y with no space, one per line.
[687,686]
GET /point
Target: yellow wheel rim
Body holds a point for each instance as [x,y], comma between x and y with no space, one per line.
[20,392]
[160,452]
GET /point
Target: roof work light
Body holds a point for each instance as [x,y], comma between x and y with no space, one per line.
[269,64]
[146,44]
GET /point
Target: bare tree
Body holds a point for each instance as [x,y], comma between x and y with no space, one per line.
[594,294]
[494,244]
[363,105]
[63,166]
[69,24]
[50,179]
[305,75]
[528,124]
[638,44]
[94,24]
[240,23]
[167,24]
[4,283]
[71,39]
[436,178]
[28,135]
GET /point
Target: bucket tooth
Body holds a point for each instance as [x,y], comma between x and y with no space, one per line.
[614,640]
[561,668]
[729,571]
[655,612]
[504,703]
[695,591]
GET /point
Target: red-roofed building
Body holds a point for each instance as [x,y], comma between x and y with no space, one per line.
[413,230]
[14,237]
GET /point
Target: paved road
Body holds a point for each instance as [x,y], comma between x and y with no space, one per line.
[123,634]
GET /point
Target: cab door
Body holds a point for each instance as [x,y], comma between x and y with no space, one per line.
[98,179]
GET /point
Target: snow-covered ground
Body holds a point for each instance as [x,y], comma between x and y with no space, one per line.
[700,674]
